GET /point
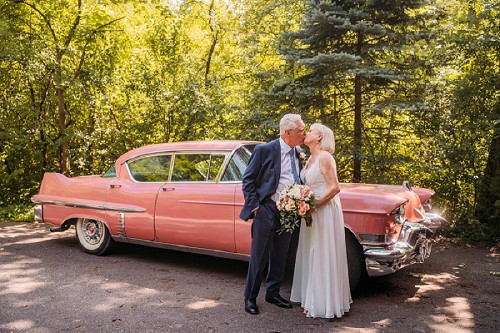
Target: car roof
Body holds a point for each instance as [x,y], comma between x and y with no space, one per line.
[208,145]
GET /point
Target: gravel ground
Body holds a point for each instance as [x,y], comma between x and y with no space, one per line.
[48,285]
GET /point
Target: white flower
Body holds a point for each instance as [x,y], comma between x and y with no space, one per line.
[302,155]
[294,192]
[295,203]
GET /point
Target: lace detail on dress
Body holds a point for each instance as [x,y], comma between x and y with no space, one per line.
[313,178]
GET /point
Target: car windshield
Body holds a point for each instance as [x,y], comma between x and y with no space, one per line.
[238,163]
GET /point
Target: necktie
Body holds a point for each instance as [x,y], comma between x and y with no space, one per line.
[295,174]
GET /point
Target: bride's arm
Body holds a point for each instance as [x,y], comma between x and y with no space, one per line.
[329,170]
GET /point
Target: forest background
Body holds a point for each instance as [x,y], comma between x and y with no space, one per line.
[410,88]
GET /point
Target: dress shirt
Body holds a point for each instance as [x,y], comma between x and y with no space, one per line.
[286,176]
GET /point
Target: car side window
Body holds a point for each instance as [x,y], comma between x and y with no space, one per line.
[111,173]
[196,167]
[238,164]
[216,162]
[151,168]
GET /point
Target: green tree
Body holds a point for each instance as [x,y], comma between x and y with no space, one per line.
[355,57]
[475,111]
[55,46]
[488,203]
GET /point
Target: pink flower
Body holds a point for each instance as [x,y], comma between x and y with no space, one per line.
[294,204]
[302,211]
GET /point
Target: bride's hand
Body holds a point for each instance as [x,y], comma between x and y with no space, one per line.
[318,203]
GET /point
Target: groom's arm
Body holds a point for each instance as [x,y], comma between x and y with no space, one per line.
[251,179]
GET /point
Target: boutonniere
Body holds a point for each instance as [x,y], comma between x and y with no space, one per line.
[303,159]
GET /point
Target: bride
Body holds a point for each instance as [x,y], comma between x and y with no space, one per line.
[321,281]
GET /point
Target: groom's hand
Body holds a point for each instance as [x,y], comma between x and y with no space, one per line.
[255,211]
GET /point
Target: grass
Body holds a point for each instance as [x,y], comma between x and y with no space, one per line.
[19,213]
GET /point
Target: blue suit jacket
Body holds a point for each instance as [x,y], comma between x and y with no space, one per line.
[261,177]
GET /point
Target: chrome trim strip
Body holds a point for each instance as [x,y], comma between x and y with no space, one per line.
[417,211]
[224,152]
[378,212]
[183,248]
[90,206]
[121,227]
[373,239]
[208,202]
[222,168]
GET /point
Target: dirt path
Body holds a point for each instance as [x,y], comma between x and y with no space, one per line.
[48,285]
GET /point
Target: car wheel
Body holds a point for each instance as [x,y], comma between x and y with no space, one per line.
[355,261]
[93,236]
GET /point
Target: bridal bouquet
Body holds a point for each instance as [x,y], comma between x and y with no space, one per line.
[295,203]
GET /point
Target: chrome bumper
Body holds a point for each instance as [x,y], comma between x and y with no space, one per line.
[434,221]
[413,246]
[38,213]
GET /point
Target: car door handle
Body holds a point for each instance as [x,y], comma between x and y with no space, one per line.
[115,186]
[165,189]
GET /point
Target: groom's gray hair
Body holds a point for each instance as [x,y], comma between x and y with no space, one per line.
[289,122]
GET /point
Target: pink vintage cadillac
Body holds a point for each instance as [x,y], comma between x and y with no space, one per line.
[187,196]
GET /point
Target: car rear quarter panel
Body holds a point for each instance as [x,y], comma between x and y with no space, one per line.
[66,194]
[57,215]
[139,197]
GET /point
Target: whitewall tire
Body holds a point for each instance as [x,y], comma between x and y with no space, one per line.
[93,236]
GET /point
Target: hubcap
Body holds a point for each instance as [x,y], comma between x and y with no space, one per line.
[92,231]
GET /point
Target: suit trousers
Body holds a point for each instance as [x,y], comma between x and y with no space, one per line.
[267,247]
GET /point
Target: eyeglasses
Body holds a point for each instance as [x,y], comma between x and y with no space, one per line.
[300,130]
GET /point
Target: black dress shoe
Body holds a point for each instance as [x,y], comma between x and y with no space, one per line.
[279,301]
[251,306]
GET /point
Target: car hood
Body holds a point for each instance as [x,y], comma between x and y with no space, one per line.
[380,199]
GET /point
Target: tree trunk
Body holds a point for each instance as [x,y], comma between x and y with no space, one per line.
[357,130]
[45,156]
[488,202]
[357,120]
[64,148]
[215,35]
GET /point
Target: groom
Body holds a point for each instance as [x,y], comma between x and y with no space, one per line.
[272,166]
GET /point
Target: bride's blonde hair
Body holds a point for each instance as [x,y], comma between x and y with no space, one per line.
[328,139]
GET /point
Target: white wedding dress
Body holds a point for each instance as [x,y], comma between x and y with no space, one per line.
[321,280]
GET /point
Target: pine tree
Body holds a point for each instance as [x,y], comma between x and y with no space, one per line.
[353,56]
